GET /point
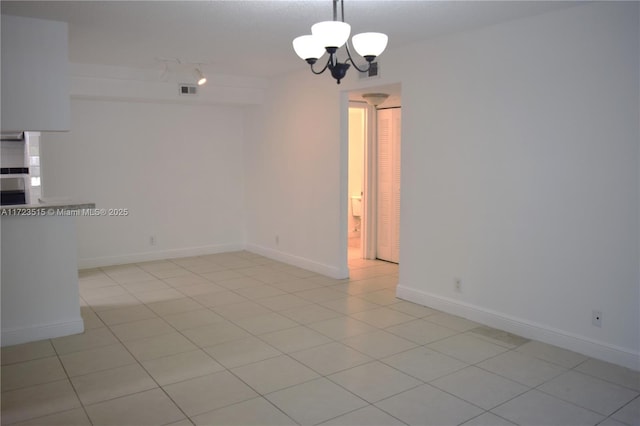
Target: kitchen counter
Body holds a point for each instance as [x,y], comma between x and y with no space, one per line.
[47,208]
[40,294]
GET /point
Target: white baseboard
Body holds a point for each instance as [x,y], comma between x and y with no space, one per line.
[589,347]
[96,262]
[16,336]
[301,262]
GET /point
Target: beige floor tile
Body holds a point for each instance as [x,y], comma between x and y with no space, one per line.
[499,337]
[382,317]
[108,303]
[321,294]
[537,408]
[309,314]
[289,284]
[93,294]
[37,401]
[374,381]
[26,352]
[206,393]
[453,322]
[381,297]
[90,339]
[168,307]
[218,276]
[169,273]
[630,413]
[204,268]
[378,344]
[522,368]
[257,411]
[612,422]
[149,297]
[151,407]
[421,332]
[428,405]
[113,383]
[75,417]
[159,346]
[243,282]
[341,327]
[220,298]
[349,305]
[183,422]
[90,319]
[259,292]
[479,387]
[315,401]
[126,314]
[488,419]
[367,416]
[283,302]
[424,363]
[134,277]
[137,330]
[184,280]
[588,392]
[145,286]
[413,309]
[198,289]
[467,348]
[330,358]
[266,323]
[610,372]
[182,366]
[295,339]
[192,319]
[241,352]
[554,354]
[30,373]
[92,360]
[213,334]
[236,311]
[274,374]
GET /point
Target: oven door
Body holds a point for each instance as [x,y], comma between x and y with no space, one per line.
[13,191]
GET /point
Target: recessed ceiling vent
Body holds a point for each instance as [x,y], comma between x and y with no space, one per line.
[374,71]
[188,89]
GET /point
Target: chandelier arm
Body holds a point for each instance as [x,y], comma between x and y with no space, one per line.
[350,59]
[323,69]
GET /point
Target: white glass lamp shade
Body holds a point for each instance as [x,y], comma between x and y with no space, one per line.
[331,33]
[307,47]
[370,44]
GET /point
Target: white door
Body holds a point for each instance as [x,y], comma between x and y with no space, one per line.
[388,164]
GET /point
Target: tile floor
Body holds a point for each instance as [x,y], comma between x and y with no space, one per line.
[238,339]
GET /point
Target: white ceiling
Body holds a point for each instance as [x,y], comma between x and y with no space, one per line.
[249,38]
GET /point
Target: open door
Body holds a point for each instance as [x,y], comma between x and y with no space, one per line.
[388,184]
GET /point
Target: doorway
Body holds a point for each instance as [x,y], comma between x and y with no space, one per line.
[374,176]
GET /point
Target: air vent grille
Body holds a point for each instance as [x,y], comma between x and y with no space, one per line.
[188,89]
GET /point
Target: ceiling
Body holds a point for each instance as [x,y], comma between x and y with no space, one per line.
[248,38]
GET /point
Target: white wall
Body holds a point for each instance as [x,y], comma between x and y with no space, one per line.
[177,168]
[293,154]
[520,175]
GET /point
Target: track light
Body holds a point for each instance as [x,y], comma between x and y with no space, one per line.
[200,78]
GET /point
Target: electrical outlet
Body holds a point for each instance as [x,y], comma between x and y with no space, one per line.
[152,240]
[457,285]
[596,319]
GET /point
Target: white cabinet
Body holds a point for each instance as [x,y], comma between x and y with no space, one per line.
[388,182]
[35,75]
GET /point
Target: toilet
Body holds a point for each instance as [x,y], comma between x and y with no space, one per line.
[356,205]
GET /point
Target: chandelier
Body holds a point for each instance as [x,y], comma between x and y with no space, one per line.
[329,36]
